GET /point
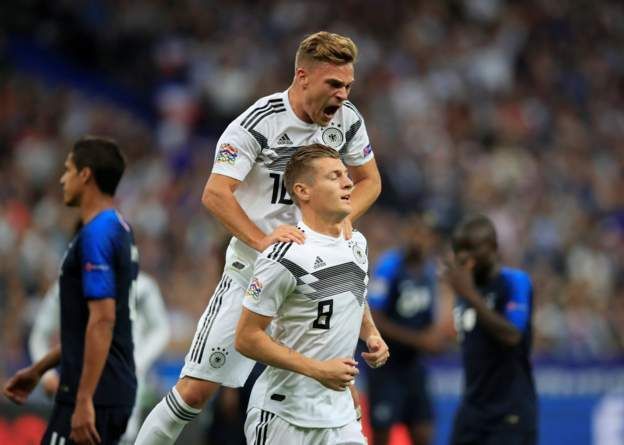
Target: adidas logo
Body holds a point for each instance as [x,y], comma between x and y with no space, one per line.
[319,262]
[284,139]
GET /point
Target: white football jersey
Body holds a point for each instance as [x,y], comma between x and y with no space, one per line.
[316,294]
[256,146]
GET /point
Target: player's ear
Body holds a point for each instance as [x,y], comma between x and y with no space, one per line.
[85,174]
[302,191]
[301,76]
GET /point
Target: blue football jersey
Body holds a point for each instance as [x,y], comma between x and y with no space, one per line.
[499,387]
[101,262]
[406,295]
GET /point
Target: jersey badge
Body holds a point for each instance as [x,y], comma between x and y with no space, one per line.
[254,290]
[358,252]
[227,154]
[367,150]
[218,357]
[332,137]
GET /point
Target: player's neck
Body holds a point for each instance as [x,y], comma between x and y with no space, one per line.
[322,224]
[295,98]
[93,203]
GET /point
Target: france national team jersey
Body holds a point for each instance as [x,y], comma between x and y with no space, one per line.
[101,262]
[406,296]
[499,389]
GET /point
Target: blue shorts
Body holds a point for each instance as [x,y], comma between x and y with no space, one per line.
[110,424]
[399,394]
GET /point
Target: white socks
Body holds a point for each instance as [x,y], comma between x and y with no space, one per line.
[166,421]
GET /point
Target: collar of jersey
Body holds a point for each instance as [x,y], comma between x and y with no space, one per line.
[292,113]
[321,236]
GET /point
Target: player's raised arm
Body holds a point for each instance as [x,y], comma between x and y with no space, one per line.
[366,187]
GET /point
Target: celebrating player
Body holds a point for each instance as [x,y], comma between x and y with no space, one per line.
[97,383]
[315,294]
[493,320]
[246,193]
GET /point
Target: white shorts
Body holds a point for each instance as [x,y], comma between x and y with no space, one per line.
[265,428]
[212,355]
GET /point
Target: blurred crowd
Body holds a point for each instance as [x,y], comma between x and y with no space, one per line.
[513,109]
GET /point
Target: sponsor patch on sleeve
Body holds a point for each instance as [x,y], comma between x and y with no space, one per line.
[227,154]
[367,150]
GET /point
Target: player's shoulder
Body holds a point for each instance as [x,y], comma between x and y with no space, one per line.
[359,238]
[350,112]
[107,223]
[516,277]
[266,107]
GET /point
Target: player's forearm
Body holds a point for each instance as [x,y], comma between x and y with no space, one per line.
[368,326]
[364,194]
[258,346]
[224,206]
[98,338]
[495,324]
[48,361]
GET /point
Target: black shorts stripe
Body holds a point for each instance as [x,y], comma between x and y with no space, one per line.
[172,403]
[253,113]
[261,428]
[214,316]
[211,305]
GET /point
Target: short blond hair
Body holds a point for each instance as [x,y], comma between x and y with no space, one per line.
[300,165]
[327,47]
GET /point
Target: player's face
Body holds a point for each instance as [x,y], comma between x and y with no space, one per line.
[326,86]
[330,192]
[72,183]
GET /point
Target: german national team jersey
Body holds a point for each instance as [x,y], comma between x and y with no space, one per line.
[316,293]
[256,146]
[405,295]
[101,262]
[499,388]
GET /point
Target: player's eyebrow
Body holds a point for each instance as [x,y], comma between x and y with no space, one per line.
[337,83]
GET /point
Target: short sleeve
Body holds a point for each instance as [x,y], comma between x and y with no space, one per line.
[236,152]
[269,287]
[518,306]
[358,149]
[383,276]
[97,260]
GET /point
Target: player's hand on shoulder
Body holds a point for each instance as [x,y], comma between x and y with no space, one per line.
[83,429]
[378,351]
[337,373]
[284,233]
[19,387]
